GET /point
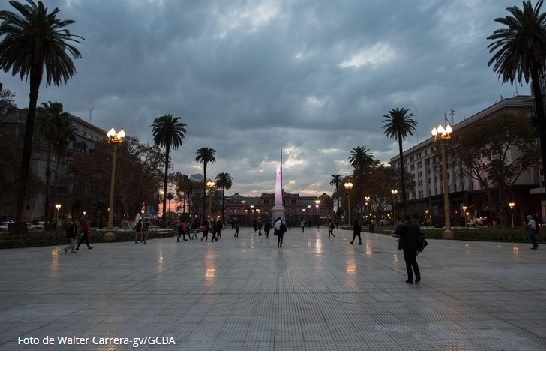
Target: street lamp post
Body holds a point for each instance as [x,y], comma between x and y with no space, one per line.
[464,209]
[394,192]
[115,140]
[512,204]
[348,187]
[317,205]
[368,208]
[441,135]
[210,186]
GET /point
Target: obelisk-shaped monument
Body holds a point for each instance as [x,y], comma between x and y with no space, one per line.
[278,209]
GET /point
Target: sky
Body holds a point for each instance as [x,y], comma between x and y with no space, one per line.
[250,78]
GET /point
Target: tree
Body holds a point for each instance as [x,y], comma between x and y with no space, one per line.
[496,151]
[398,125]
[223,181]
[205,155]
[519,51]
[57,131]
[36,43]
[335,181]
[168,132]
[361,160]
[138,178]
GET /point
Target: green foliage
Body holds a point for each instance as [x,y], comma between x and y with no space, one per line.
[58,238]
[509,235]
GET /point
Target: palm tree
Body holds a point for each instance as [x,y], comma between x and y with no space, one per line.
[335,181]
[168,132]
[36,43]
[224,181]
[400,124]
[58,133]
[361,159]
[205,155]
[520,51]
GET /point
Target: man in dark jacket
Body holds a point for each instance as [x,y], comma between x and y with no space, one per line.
[408,234]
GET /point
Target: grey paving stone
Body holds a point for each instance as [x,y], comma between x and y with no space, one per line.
[245,294]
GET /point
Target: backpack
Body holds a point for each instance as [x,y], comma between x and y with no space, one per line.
[71,231]
[332,226]
[283,228]
[422,242]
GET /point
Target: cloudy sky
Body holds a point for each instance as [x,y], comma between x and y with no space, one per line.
[251,77]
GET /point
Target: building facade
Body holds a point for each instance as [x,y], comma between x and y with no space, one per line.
[424,163]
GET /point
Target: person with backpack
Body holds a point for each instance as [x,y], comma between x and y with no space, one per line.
[280,229]
[408,240]
[331,227]
[71,234]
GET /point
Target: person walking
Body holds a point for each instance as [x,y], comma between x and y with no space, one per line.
[71,234]
[280,229]
[357,228]
[302,225]
[214,230]
[145,228]
[331,227]
[236,228]
[267,228]
[138,231]
[408,241]
[181,230]
[194,227]
[532,231]
[84,229]
[260,226]
[205,230]
[219,226]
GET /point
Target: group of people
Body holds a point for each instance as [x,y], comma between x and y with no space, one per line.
[72,235]
[142,228]
[206,227]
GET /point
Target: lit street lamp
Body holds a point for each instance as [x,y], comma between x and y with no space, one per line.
[441,135]
[58,207]
[464,209]
[210,186]
[512,204]
[349,186]
[394,192]
[115,140]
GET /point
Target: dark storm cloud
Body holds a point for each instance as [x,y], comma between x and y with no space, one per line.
[250,78]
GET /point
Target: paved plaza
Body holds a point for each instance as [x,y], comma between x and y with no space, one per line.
[315,293]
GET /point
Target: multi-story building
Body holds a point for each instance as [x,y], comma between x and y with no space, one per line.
[87,136]
[424,163]
[312,209]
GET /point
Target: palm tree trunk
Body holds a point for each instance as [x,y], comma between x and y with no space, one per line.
[204,189]
[167,153]
[223,205]
[35,80]
[402,180]
[48,179]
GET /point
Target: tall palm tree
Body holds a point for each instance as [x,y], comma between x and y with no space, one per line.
[361,159]
[224,181]
[205,155]
[335,181]
[168,132]
[58,133]
[519,51]
[36,43]
[400,124]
